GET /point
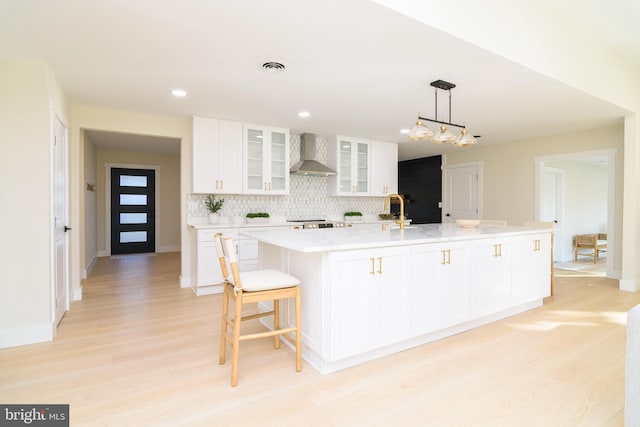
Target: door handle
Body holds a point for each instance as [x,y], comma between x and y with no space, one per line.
[66,228]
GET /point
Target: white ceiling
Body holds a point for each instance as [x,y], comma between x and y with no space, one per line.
[360,69]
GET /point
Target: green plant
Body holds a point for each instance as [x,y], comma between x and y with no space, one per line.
[353,214]
[258,215]
[212,204]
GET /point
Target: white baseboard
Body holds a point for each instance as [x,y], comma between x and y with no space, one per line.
[26,335]
[84,273]
[76,294]
[103,253]
[208,290]
[185,281]
[172,248]
[631,285]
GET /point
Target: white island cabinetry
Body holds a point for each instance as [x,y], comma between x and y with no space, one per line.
[531,267]
[369,293]
[439,285]
[367,288]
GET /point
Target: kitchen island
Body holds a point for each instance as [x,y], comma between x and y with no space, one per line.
[370,293]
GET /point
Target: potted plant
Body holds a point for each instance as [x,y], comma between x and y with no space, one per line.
[258,217]
[213,206]
[353,216]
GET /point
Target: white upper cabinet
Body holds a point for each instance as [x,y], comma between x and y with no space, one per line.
[350,158]
[266,160]
[217,156]
[384,168]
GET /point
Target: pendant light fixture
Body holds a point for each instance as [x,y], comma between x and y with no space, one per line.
[422,133]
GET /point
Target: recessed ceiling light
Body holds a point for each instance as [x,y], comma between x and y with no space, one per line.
[303,114]
[178,92]
[404,131]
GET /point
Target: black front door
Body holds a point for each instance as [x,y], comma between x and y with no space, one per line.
[133,204]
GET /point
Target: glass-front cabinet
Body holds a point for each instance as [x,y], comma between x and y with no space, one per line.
[266,160]
[350,158]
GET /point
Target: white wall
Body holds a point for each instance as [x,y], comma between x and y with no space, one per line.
[90,214]
[29,94]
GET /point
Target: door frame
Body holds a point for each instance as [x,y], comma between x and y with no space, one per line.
[610,154]
[478,165]
[107,196]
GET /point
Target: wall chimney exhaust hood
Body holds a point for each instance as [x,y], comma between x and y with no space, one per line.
[308,165]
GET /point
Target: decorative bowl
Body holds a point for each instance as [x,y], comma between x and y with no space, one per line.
[468,223]
[386,217]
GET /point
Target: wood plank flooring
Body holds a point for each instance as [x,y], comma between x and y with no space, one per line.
[140,351]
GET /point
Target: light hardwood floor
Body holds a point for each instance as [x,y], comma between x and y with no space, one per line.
[140,351]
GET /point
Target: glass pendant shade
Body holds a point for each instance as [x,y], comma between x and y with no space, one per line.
[445,135]
[420,132]
[465,139]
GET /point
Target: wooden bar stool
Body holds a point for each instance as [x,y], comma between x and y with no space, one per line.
[255,286]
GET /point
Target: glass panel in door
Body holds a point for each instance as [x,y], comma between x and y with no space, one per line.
[363,168]
[255,154]
[279,171]
[346,149]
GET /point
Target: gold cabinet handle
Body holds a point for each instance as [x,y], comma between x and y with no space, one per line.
[373,266]
[443,261]
[536,245]
[497,250]
[379,265]
[221,184]
[269,185]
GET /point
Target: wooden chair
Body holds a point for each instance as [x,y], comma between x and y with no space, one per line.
[552,226]
[593,244]
[254,287]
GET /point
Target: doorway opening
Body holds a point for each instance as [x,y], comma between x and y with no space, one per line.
[581,198]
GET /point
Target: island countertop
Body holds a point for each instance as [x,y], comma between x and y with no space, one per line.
[338,239]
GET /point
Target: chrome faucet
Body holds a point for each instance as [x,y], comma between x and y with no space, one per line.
[387,205]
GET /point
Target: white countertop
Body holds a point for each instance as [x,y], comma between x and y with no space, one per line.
[338,239]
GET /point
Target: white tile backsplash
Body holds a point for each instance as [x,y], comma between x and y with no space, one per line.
[307,197]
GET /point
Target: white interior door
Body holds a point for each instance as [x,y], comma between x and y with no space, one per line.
[60,197]
[551,208]
[461,188]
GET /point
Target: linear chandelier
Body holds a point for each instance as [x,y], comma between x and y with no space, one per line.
[422,133]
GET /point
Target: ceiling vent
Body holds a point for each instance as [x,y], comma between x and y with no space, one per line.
[273,67]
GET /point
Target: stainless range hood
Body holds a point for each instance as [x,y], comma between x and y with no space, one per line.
[308,165]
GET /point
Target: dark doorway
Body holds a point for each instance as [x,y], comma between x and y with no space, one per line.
[420,180]
[133,203]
